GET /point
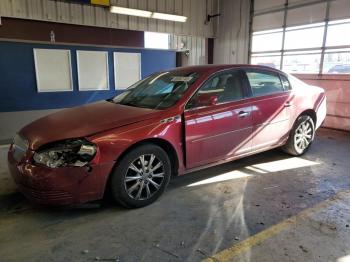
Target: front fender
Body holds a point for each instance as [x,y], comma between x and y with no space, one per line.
[113,143]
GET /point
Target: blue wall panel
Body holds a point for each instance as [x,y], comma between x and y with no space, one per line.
[18,91]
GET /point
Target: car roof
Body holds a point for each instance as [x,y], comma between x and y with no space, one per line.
[216,68]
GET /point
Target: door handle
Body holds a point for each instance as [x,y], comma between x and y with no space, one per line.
[242,114]
[288,104]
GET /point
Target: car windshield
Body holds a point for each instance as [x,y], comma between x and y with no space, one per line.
[158,91]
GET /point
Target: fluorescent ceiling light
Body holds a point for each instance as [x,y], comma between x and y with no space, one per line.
[130,11]
[169,17]
[148,14]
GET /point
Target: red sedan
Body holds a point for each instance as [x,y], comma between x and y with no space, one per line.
[170,123]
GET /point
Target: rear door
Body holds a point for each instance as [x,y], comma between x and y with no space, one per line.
[222,127]
[271,102]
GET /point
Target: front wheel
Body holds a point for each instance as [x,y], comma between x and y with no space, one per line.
[141,176]
[301,136]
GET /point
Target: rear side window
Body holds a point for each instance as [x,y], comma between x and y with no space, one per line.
[285,83]
[264,83]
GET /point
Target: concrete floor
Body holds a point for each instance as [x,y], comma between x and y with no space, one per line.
[268,207]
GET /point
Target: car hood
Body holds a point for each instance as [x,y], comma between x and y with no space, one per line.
[82,121]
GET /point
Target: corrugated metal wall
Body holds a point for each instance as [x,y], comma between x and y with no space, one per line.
[73,13]
[232,43]
[195,45]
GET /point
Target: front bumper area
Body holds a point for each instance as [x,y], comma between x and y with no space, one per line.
[58,186]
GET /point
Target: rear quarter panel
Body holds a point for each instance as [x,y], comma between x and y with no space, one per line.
[306,97]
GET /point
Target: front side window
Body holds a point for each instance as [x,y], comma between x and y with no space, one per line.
[264,83]
[223,87]
[158,91]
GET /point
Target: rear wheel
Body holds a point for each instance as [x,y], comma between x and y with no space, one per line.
[141,176]
[301,136]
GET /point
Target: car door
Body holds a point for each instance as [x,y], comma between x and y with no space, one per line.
[271,102]
[218,121]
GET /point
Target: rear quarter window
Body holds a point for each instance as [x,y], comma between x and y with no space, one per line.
[264,83]
[285,83]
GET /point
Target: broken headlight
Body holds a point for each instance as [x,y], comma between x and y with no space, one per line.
[72,152]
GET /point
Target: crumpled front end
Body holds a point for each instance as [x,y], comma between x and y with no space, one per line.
[55,186]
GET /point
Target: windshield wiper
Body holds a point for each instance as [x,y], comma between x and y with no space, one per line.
[128,104]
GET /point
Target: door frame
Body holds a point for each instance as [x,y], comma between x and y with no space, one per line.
[246,95]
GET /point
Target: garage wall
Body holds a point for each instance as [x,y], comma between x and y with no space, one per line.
[74,13]
[195,45]
[309,39]
[20,102]
[337,88]
[278,24]
[232,39]
[34,31]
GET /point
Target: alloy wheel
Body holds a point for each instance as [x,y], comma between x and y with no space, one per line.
[303,135]
[144,177]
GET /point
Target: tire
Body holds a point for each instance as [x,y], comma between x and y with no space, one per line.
[135,171]
[303,128]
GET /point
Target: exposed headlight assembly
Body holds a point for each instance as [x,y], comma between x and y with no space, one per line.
[72,152]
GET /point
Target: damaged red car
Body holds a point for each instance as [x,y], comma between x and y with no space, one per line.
[169,123]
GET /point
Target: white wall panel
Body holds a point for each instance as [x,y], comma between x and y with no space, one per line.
[161,23]
[64,12]
[133,20]
[142,24]
[231,44]
[186,10]
[17,8]
[178,10]
[152,23]
[195,45]
[127,69]
[88,15]
[53,70]
[76,14]
[123,20]
[35,8]
[49,11]
[92,70]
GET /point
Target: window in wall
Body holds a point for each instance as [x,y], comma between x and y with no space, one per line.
[337,61]
[302,62]
[156,40]
[264,83]
[304,37]
[263,41]
[307,41]
[271,59]
[338,33]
